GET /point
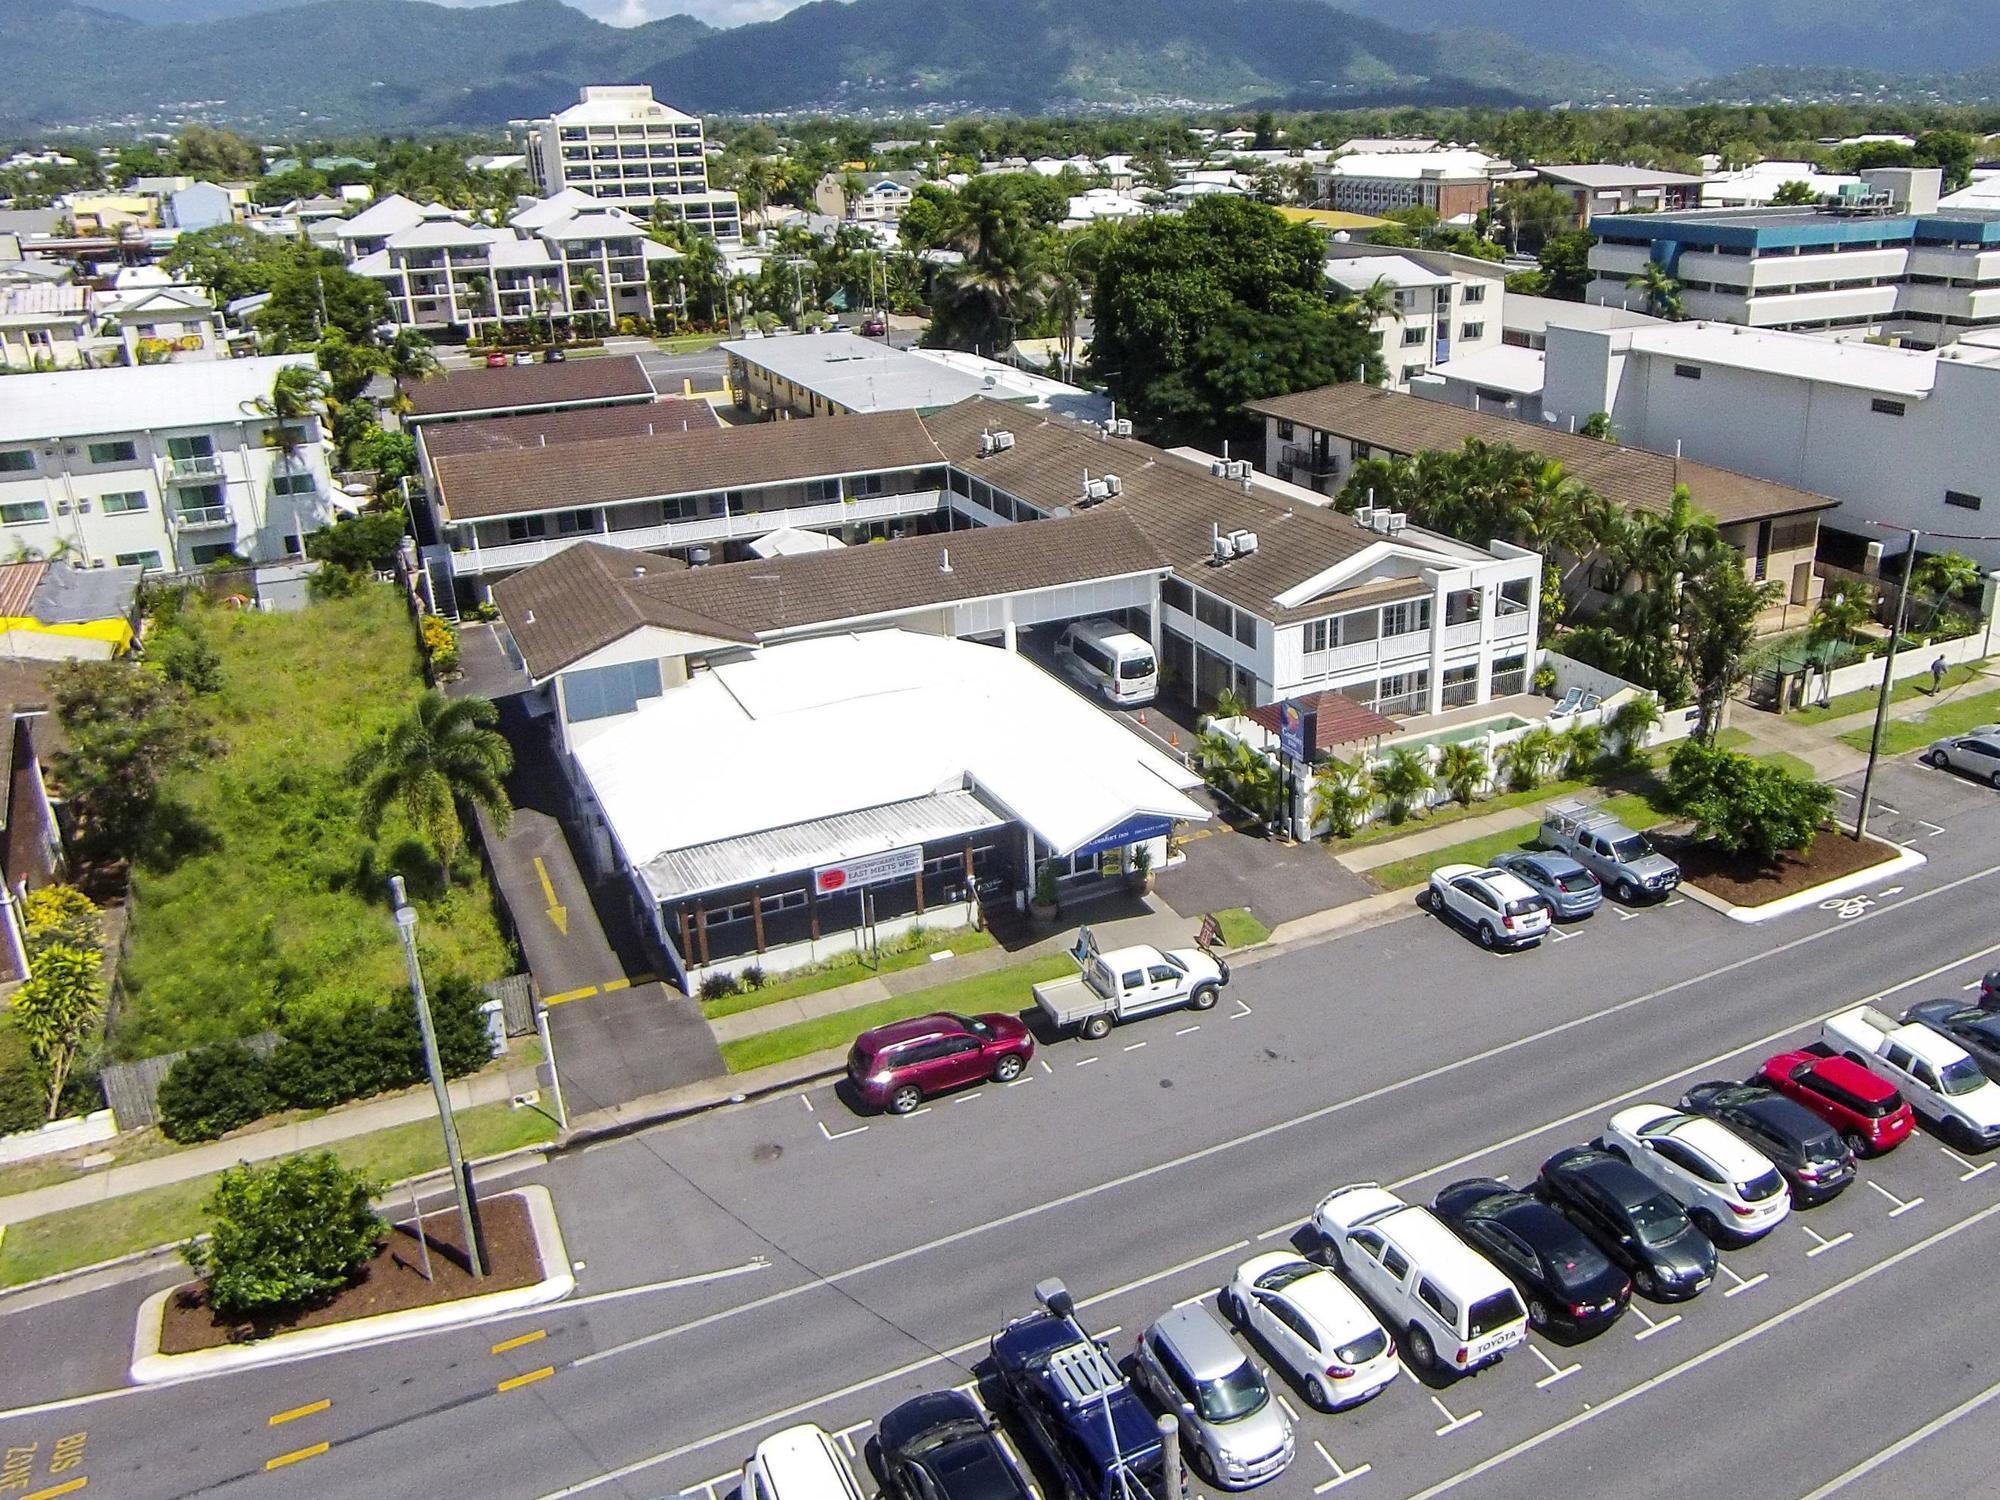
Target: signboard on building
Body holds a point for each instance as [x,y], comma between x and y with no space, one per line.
[1131,831]
[869,869]
[1297,730]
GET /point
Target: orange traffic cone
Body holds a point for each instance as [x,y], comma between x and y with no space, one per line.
[1175,739]
[1142,716]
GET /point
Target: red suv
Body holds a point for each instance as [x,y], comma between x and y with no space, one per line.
[1863,1106]
[896,1067]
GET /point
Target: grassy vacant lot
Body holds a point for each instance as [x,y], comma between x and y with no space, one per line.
[159,1216]
[1864,700]
[276,899]
[1633,809]
[998,989]
[849,968]
[1953,717]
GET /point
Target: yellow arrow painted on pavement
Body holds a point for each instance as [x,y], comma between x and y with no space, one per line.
[558,913]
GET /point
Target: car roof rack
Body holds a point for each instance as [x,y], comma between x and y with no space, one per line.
[1083,1372]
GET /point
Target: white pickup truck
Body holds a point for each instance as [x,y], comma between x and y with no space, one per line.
[1127,982]
[1936,1075]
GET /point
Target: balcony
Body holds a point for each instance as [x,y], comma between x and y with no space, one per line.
[194,470]
[1305,459]
[200,517]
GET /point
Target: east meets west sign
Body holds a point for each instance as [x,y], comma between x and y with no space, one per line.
[869,869]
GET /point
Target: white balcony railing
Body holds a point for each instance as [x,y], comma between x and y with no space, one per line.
[740,527]
[1512,627]
[201,517]
[1457,636]
[190,470]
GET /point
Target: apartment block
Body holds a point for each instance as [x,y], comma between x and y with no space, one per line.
[1447,306]
[622,146]
[1454,184]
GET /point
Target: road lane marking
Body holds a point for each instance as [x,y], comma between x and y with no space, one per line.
[563,997]
[515,1382]
[1741,1285]
[558,913]
[841,1135]
[1823,1244]
[1901,1207]
[1651,1327]
[283,1460]
[1697,1361]
[1134,1046]
[521,1341]
[1554,1374]
[610,986]
[279,1419]
[1903,1445]
[67,1487]
[1272,1234]
[1187,1031]
[1972,1170]
[1451,1423]
[1340,1475]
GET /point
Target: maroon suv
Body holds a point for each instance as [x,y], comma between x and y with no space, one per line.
[896,1067]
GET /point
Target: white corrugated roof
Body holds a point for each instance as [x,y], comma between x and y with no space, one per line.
[1850,362]
[1359,272]
[1504,367]
[78,403]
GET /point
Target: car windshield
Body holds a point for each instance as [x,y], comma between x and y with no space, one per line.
[1279,1277]
[1363,1349]
[955,1430]
[1961,1076]
[973,1024]
[1658,1220]
[1135,667]
[1496,1311]
[1631,847]
[1237,1394]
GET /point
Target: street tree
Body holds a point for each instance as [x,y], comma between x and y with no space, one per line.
[441,752]
[1743,805]
[58,1009]
[280,1236]
[1718,625]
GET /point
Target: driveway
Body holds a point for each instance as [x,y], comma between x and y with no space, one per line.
[1279,882]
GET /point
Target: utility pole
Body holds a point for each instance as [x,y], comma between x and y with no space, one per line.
[406,924]
[1888,681]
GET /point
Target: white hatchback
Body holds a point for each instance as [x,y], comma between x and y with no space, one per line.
[1497,906]
[1730,1189]
[1320,1332]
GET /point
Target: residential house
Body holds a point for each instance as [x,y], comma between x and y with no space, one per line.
[57,611]
[829,374]
[1447,307]
[199,205]
[882,198]
[524,390]
[1611,189]
[45,326]
[152,318]
[625,148]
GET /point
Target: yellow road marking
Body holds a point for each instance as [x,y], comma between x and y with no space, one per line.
[566,996]
[558,913]
[67,1487]
[527,1338]
[298,1411]
[517,1381]
[297,1455]
[616,984]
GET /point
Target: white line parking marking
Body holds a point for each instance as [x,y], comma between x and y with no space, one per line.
[1045,1065]
[808,1104]
[1896,812]
[1557,935]
[839,1135]
[1972,986]
[846,1437]
[1187,1031]
[922,1109]
[1841,791]
[1340,1475]
[1741,1284]
[1901,1207]
[1935,830]
[1014,1083]
[1084,1062]
[1272,1234]
[1550,1365]
[708,1486]
[1189,1301]
[1134,1046]
[1903,1445]
[1677,901]
[1623,914]
[1651,1327]
[1971,1170]
[1241,1010]
[1288,1408]
[1451,1423]
[968,1098]
[1823,1243]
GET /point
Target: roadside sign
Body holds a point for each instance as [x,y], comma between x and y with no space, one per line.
[870,869]
[1298,728]
[1210,935]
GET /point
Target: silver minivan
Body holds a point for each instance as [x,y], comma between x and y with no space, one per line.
[1237,1435]
[1110,660]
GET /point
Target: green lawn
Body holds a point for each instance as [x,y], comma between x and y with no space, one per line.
[999,989]
[1955,717]
[41,1247]
[276,901]
[848,969]
[1633,809]
[1240,929]
[1451,812]
[689,343]
[1864,700]
[1784,760]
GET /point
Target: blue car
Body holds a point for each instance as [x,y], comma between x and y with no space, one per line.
[1571,891]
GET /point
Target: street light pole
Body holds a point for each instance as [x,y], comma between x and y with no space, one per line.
[406,924]
[1888,681]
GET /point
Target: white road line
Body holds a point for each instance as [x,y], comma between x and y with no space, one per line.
[922,1109]
[1015,1083]
[1623,914]
[1903,1445]
[1189,1301]
[1557,935]
[1272,1234]
[1972,1170]
[1935,830]
[1044,1063]
[1677,901]
[1741,1285]
[1972,986]
[807,1102]
[708,1486]
[1651,1327]
[1451,1423]
[1822,1243]
[1187,1031]
[1554,1374]
[1885,807]
[1901,1207]
[1134,1046]
[1841,791]
[1084,1062]
[1241,1010]
[1340,1475]
[839,1135]
[1697,1361]
[1288,1409]
[968,1098]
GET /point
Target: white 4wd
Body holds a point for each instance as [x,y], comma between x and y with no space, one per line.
[1731,1190]
[1937,1076]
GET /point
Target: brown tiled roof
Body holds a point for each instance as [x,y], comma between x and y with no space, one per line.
[575,424]
[581,600]
[574,382]
[1342,721]
[18,582]
[1632,478]
[605,471]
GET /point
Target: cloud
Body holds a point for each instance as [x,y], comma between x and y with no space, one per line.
[714,12]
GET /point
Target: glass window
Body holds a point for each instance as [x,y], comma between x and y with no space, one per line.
[1688,372]
[1472,330]
[1177,595]
[1475,293]
[1246,628]
[201,446]
[23,511]
[1413,336]
[1213,613]
[121,502]
[1317,635]
[1394,1261]
[147,560]
[210,552]
[113,453]
[292,484]
[17,461]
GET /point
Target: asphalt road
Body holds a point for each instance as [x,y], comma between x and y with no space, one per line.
[844,1262]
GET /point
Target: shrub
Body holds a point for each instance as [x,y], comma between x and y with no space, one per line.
[752,978]
[212,1091]
[347,1052]
[184,657]
[281,1236]
[1527,759]
[441,643]
[1635,719]
[717,986]
[1341,797]
[1746,807]
[1402,779]
[458,1014]
[61,914]
[22,1105]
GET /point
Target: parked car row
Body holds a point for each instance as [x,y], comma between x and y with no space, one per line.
[1976,754]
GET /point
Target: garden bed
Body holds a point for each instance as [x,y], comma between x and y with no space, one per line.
[1743,880]
[392,1282]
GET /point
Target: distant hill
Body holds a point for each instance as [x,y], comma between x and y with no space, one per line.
[356,64]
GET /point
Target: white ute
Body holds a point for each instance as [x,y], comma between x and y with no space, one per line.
[1127,982]
[1937,1076]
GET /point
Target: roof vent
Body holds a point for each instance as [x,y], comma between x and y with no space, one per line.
[530,618]
[1243,543]
[1002,440]
[945,565]
[639,572]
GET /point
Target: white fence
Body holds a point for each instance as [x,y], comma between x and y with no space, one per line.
[59,1135]
[1911,661]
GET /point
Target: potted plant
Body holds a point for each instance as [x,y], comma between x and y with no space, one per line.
[1140,875]
[1042,900]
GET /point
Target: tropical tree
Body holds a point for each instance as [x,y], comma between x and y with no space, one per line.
[589,293]
[1377,300]
[1342,796]
[1582,748]
[1663,292]
[1843,614]
[1718,625]
[1947,575]
[1743,805]
[1794,195]
[1631,722]
[298,393]
[438,754]
[125,729]
[1401,780]
[1538,210]
[1526,760]
[57,1010]
[1461,769]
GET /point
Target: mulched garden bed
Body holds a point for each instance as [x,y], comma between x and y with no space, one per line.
[392,1282]
[1742,880]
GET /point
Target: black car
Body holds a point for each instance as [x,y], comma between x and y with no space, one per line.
[1973,1027]
[943,1447]
[1630,1220]
[1565,1279]
[1815,1161]
[554,357]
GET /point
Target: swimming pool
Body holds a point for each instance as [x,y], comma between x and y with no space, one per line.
[1474,731]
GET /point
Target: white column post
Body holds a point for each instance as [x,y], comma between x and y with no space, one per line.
[1437,641]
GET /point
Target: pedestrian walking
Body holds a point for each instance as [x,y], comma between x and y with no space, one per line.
[1937,676]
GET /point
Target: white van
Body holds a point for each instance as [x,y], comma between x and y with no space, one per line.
[799,1463]
[1455,1311]
[1109,659]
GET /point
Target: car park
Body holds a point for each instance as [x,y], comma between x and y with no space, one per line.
[942,1446]
[1124,983]
[1083,1417]
[798,1463]
[1973,1027]
[1567,1282]
[1731,1190]
[1871,1116]
[1500,909]
[1314,1326]
[1455,1312]
[1570,890]
[1807,1151]
[897,1066]
[1976,755]
[1638,1226]
[1232,1429]
[1627,864]
[1942,1083]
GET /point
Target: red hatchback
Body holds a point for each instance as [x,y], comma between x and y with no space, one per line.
[896,1067]
[1863,1106]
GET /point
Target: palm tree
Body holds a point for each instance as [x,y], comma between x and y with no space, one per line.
[1377,300]
[408,360]
[1402,779]
[1663,292]
[1634,719]
[297,394]
[481,288]
[589,289]
[1341,798]
[1948,575]
[439,754]
[1527,759]
[1583,748]
[1461,768]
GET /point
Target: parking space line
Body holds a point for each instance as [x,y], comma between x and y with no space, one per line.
[1187,1031]
[1287,1406]
[1557,935]
[1677,901]
[1823,1243]
[846,1437]
[1901,1207]
[1554,1374]
[1014,1083]
[1741,1284]
[968,1098]
[521,1341]
[1894,812]
[922,1109]
[1045,1066]
[808,1104]
[1935,830]
[515,1382]
[1451,1423]
[1651,1327]
[841,1135]
[1972,1170]
[311,1408]
[1623,914]
[283,1460]
[1084,1062]
[1189,1301]
[1340,1475]
[708,1486]
[1241,1011]
[1134,1046]
[1972,986]
[67,1487]
[1272,1234]
[1841,791]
